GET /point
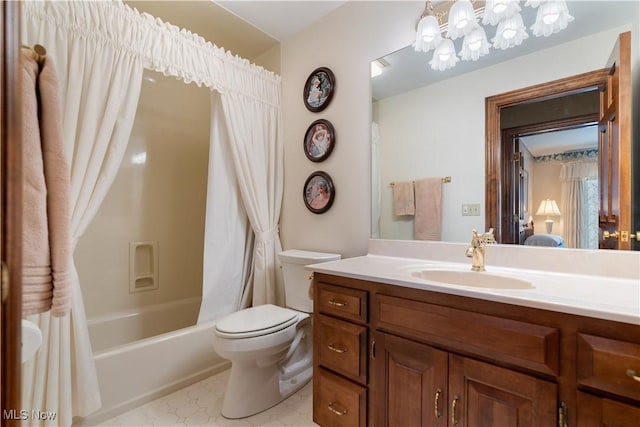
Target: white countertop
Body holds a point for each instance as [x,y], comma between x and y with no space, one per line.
[609,298]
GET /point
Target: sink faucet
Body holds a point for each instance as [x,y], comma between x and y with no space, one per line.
[477,248]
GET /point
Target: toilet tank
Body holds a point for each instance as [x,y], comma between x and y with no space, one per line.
[297,278]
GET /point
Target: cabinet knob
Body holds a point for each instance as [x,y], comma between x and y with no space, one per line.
[332,347]
[633,374]
[332,408]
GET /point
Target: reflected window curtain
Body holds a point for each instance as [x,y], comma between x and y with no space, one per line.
[376,187]
[100,81]
[255,135]
[579,206]
[228,237]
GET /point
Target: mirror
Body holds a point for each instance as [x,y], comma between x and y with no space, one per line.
[430,123]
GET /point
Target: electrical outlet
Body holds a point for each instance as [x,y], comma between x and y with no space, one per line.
[471,209]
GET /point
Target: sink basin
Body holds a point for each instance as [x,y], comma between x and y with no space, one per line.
[476,279]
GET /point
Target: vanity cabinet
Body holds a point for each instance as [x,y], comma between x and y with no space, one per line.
[414,357]
[340,356]
[425,386]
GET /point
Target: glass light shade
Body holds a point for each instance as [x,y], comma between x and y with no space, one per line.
[474,45]
[533,3]
[462,19]
[428,34]
[444,56]
[511,32]
[499,10]
[548,207]
[553,16]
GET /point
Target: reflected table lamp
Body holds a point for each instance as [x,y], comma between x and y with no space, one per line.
[549,208]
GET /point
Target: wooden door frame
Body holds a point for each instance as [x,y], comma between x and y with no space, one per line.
[495,164]
[11,210]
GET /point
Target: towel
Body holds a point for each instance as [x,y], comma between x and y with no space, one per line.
[46,245]
[428,217]
[403,201]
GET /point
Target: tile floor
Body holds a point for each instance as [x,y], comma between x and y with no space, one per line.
[199,405]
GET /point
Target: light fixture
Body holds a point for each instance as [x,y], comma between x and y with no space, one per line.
[444,56]
[474,45]
[549,208]
[499,10]
[462,20]
[511,32]
[553,16]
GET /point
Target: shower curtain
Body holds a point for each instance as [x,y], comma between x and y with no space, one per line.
[100,49]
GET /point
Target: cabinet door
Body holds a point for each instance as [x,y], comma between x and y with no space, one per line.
[599,412]
[481,394]
[415,391]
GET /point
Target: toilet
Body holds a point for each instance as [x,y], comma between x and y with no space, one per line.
[270,347]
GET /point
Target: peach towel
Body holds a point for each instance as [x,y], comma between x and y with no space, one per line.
[403,200]
[46,259]
[428,217]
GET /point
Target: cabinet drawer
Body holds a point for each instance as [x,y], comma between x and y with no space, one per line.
[609,365]
[528,345]
[339,402]
[343,347]
[342,302]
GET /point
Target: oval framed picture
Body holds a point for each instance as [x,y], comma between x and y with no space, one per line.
[319,140]
[318,90]
[318,192]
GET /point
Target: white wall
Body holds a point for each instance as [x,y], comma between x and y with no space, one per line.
[346,41]
[162,199]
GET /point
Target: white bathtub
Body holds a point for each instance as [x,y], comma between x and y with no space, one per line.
[135,366]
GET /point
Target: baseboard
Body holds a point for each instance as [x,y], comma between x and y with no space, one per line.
[108,413]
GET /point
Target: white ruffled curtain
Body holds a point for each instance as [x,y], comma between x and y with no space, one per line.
[579,206]
[100,48]
[100,82]
[257,150]
[228,237]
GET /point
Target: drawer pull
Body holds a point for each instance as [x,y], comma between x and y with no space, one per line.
[454,422]
[332,347]
[436,403]
[633,374]
[337,303]
[336,411]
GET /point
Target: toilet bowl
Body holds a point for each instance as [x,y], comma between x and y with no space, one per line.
[270,347]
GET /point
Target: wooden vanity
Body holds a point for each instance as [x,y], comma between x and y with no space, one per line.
[388,355]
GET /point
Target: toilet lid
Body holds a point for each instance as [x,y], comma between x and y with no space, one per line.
[255,321]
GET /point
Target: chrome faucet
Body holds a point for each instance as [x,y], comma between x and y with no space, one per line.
[477,249]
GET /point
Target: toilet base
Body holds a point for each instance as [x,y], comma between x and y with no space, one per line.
[263,390]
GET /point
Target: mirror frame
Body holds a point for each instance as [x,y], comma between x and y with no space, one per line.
[495,179]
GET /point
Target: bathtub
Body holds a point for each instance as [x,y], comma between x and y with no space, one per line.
[140,356]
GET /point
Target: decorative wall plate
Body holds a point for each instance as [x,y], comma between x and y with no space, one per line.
[318,192]
[319,140]
[318,90]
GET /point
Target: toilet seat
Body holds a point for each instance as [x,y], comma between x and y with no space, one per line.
[256,321]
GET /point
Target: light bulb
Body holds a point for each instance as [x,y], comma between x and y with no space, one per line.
[499,6]
[550,18]
[509,33]
[444,56]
